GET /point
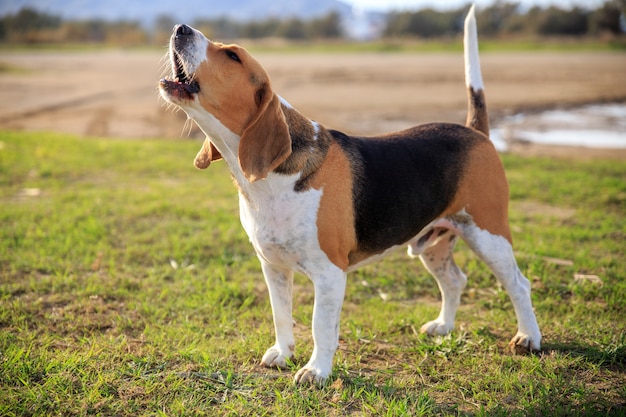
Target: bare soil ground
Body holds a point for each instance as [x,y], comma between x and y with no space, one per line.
[114,93]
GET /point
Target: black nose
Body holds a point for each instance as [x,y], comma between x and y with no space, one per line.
[183,30]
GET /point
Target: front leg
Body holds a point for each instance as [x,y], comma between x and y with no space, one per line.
[279,283]
[330,286]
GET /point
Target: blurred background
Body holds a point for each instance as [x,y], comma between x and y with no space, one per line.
[119,22]
[91,68]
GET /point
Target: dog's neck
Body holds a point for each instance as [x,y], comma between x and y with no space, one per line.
[309,142]
[309,145]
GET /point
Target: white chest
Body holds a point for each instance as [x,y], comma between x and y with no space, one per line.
[280,222]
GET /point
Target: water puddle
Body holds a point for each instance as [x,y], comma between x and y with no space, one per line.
[592,126]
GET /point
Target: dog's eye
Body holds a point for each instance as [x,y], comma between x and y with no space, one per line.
[232,55]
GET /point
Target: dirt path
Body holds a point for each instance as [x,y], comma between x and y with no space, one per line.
[114,94]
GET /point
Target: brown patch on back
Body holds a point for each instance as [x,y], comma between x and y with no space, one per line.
[483,191]
[335,217]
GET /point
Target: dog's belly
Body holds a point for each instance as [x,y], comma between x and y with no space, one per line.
[415,245]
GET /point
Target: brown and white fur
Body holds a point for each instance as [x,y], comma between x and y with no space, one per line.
[322,203]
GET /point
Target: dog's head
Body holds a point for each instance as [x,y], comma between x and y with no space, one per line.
[223,84]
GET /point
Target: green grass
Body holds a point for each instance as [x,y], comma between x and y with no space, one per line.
[128,287]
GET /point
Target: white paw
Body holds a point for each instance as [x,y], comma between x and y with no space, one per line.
[311,375]
[523,343]
[437,327]
[275,357]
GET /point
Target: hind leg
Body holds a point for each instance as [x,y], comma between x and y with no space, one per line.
[451,281]
[497,253]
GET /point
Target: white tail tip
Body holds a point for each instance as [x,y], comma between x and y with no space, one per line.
[473,77]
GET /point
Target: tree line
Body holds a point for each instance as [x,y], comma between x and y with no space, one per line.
[507,19]
[31,26]
[501,19]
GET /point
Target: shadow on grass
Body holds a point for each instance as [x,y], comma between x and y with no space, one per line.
[347,392]
[611,357]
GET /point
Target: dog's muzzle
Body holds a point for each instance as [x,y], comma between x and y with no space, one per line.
[182,85]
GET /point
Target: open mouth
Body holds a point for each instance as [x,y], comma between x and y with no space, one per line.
[180,75]
[183,85]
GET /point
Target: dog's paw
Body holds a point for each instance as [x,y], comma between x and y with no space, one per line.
[524,344]
[311,375]
[275,357]
[437,327]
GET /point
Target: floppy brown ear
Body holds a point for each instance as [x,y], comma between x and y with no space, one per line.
[207,154]
[265,143]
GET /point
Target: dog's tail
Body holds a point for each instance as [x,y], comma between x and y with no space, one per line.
[477,117]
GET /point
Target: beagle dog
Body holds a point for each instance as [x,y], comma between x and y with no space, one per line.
[323,203]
